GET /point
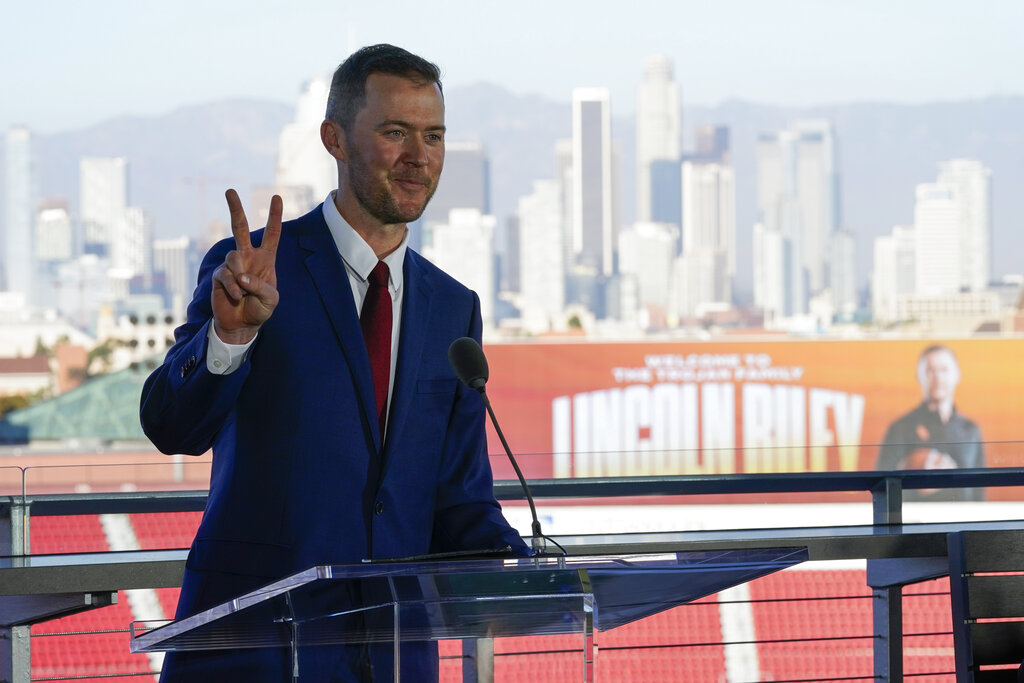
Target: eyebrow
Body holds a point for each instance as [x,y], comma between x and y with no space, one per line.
[405,124]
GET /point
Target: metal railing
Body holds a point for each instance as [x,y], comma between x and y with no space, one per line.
[892,560]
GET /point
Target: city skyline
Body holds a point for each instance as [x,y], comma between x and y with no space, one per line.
[797,181]
[794,52]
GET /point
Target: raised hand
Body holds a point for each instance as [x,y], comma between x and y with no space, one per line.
[245,285]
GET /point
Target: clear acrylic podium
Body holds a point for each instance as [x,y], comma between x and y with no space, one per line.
[462,599]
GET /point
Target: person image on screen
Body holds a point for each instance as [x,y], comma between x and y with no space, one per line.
[313,362]
[934,435]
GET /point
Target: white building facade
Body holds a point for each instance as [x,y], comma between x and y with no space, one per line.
[19,198]
[541,256]
[463,247]
[893,273]
[302,160]
[658,126]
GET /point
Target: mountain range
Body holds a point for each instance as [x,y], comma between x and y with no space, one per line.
[181,162]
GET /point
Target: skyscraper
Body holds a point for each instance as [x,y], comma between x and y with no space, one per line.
[564,178]
[171,257]
[463,247]
[798,194]
[699,282]
[773,273]
[593,227]
[54,239]
[646,251]
[708,259]
[937,240]
[19,213]
[666,192]
[842,278]
[971,182]
[542,266]
[658,126]
[511,262]
[302,160]
[952,227]
[709,209]
[54,246]
[711,143]
[131,244]
[113,230]
[103,197]
[465,183]
[172,261]
[893,272]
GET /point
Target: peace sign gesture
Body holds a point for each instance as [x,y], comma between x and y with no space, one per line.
[245,285]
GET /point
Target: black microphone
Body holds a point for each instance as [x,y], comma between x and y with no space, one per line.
[470,365]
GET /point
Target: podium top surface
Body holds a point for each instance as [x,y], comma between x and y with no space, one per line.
[475,598]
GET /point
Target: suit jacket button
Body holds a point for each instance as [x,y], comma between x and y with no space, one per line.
[378,508]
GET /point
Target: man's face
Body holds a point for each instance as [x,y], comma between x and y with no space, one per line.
[940,376]
[396,148]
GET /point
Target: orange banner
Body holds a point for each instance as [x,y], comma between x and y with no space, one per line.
[660,408]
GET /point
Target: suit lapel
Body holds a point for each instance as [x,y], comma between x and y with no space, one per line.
[326,269]
[416,316]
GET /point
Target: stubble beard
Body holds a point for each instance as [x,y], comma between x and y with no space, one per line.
[376,197]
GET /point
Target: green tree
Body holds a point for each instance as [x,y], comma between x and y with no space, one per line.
[98,359]
[14,402]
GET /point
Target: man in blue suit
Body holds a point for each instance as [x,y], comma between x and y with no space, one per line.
[320,379]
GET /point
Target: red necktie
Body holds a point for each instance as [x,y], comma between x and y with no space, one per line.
[375,319]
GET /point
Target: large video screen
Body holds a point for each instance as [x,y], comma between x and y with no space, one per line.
[666,408]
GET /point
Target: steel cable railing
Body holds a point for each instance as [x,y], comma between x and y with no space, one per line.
[24,505]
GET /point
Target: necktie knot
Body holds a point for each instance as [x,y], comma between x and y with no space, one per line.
[379,275]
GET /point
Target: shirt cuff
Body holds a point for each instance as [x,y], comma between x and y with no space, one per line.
[223,358]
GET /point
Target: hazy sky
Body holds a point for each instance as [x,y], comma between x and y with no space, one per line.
[65,65]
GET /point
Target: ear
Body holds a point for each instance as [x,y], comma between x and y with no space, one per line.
[333,138]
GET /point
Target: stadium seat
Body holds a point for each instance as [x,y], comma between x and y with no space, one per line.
[66,534]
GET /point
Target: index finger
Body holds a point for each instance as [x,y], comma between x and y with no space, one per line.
[272,233]
[239,224]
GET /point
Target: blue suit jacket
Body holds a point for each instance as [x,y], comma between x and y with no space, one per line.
[299,475]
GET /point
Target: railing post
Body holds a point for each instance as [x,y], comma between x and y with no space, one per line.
[13,527]
[15,652]
[15,655]
[478,660]
[887,603]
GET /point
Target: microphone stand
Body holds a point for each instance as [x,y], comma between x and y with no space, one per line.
[537,542]
[470,365]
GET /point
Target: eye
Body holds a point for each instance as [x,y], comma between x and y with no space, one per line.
[395,134]
[434,138]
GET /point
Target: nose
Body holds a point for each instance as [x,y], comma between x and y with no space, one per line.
[415,152]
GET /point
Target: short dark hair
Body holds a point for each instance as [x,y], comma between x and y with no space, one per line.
[348,86]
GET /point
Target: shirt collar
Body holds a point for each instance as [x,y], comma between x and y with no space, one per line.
[355,252]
